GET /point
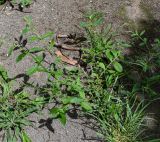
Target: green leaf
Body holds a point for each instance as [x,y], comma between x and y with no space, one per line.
[52,43]
[35,49]
[21,56]
[107,29]
[66,100]
[9,136]
[109,55]
[142,33]
[111,71]
[46,35]
[82,94]
[118,67]
[32,70]
[38,59]
[10,51]
[39,101]
[76,100]
[24,122]
[99,21]
[84,24]
[28,20]
[115,53]
[59,113]
[33,38]
[3,73]
[25,30]
[86,106]
[55,112]
[62,118]
[110,80]
[25,137]
[101,65]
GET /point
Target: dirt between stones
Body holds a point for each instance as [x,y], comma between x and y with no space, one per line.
[60,16]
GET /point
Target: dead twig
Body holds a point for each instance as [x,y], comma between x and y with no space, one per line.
[65,47]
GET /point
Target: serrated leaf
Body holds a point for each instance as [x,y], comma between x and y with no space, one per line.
[118,67]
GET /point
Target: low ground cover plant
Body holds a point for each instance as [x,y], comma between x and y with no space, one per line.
[102,86]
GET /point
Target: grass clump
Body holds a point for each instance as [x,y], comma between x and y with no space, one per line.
[15,107]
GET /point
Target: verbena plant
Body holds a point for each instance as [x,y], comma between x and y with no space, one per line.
[14,110]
